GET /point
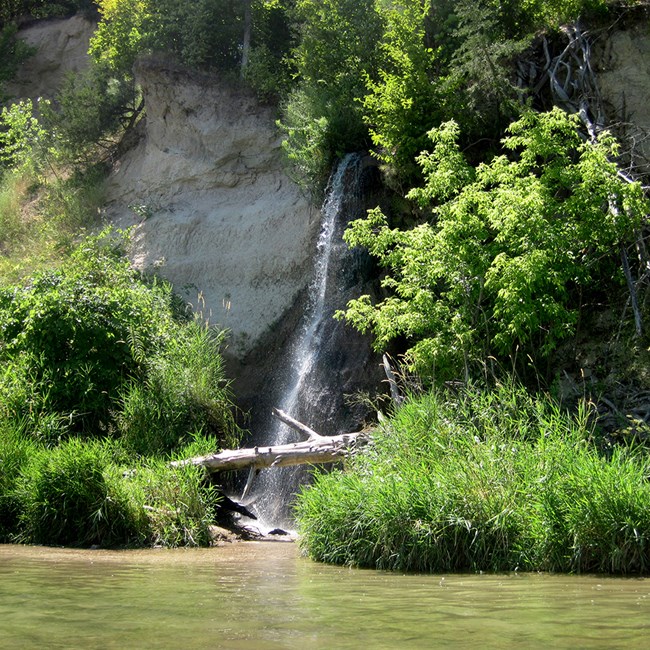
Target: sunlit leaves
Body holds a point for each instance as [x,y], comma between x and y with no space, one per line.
[20,133]
[510,246]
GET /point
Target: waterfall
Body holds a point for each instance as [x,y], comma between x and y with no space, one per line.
[274,488]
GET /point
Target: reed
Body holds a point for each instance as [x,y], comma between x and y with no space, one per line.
[15,451]
[71,495]
[483,480]
[83,493]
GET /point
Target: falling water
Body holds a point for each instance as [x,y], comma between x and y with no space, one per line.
[274,488]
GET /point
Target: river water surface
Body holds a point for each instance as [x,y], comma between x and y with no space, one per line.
[265,595]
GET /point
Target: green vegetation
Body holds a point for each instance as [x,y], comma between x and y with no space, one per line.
[104,377]
[509,251]
[81,493]
[483,480]
[12,10]
[88,339]
[515,235]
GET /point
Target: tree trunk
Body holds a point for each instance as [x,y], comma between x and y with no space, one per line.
[316,449]
[246,44]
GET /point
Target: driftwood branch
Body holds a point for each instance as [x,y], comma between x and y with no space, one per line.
[638,322]
[298,426]
[316,449]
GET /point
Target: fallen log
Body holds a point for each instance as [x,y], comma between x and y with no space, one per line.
[317,449]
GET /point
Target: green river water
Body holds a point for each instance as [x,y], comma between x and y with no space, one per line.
[265,595]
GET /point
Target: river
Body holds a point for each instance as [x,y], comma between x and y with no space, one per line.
[264,595]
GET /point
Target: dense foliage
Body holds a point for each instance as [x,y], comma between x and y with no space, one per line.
[81,493]
[12,10]
[78,343]
[103,376]
[509,249]
[483,480]
[205,33]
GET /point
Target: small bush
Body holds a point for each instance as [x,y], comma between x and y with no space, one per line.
[71,495]
[92,108]
[95,340]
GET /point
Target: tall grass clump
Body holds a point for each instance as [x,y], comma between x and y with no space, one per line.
[16,449]
[71,495]
[184,392]
[178,503]
[82,493]
[483,480]
[12,195]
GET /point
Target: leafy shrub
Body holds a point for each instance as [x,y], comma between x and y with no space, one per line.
[92,107]
[69,496]
[21,133]
[77,340]
[338,47]
[306,142]
[75,325]
[510,246]
[406,98]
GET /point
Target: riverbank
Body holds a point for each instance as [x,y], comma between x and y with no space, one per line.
[485,480]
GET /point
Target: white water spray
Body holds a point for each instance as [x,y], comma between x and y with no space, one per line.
[275,487]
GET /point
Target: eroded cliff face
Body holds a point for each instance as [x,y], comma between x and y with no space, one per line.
[61,48]
[216,213]
[622,64]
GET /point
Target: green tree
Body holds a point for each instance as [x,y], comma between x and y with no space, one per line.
[21,133]
[406,98]
[120,35]
[510,247]
[337,49]
[204,33]
[92,108]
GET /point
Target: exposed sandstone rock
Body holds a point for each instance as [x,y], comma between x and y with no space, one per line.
[214,207]
[623,72]
[61,48]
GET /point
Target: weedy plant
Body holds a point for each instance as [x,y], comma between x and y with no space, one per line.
[184,392]
[16,449]
[71,495]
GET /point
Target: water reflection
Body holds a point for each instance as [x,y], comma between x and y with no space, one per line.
[263,595]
